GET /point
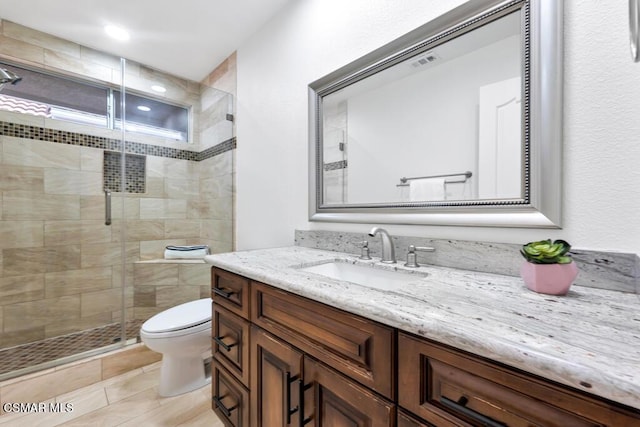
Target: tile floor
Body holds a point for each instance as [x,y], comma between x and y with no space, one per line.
[128,400]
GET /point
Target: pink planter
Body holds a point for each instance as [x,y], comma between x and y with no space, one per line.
[552,279]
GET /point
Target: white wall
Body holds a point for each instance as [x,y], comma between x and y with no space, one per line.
[311,38]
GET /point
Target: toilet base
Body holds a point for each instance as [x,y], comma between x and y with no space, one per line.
[180,375]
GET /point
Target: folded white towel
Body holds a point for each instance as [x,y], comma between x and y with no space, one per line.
[428,189]
[186,252]
[458,191]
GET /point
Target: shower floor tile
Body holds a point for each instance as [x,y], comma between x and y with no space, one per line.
[38,352]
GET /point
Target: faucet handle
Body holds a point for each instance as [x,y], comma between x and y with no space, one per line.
[412,259]
[364,254]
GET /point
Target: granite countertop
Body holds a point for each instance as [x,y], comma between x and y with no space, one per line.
[588,339]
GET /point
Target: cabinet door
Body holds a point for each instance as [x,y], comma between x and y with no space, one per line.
[275,382]
[333,400]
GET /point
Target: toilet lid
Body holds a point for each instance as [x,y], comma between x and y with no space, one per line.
[180,317]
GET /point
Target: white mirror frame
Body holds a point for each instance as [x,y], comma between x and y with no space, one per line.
[543,135]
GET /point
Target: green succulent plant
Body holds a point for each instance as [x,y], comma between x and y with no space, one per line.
[546,252]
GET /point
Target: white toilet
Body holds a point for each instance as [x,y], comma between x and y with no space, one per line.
[183,335]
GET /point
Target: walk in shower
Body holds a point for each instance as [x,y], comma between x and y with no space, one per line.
[80,129]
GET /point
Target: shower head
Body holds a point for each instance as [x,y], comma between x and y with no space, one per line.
[7,76]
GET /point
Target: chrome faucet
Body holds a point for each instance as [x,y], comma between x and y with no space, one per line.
[388,252]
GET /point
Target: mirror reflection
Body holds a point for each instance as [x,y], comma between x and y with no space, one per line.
[445,125]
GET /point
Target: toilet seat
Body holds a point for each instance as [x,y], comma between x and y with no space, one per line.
[182,319]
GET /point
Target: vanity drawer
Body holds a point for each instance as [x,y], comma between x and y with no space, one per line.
[436,383]
[230,400]
[357,347]
[230,291]
[230,342]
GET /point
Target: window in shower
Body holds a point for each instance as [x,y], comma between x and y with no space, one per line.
[55,97]
[152,117]
[77,101]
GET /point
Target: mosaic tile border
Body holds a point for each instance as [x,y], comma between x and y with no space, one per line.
[38,352]
[228,145]
[135,181]
[84,140]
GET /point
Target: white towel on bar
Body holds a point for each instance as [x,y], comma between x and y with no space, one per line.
[428,189]
[457,191]
[185,252]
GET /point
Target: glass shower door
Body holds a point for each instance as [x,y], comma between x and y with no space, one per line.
[72,285]
[61,291]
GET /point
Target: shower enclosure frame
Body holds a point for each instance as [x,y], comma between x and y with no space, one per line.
[193,180]
[8,77]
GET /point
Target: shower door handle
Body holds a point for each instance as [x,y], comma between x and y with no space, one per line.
[107,207]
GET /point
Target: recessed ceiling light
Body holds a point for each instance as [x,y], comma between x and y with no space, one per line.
[117,33]
[158,88]
[143,108]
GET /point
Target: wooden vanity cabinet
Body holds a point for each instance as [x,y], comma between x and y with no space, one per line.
[284,360]
[447,387]
[310,364]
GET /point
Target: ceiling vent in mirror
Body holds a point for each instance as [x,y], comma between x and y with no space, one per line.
[424,59]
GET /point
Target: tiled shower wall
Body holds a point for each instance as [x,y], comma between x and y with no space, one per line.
[335,149]
[59,264]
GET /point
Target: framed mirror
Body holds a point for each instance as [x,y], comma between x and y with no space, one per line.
[458,122]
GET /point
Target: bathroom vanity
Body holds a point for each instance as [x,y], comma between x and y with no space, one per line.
[450,348]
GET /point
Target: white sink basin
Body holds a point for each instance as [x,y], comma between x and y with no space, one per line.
[365,275]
